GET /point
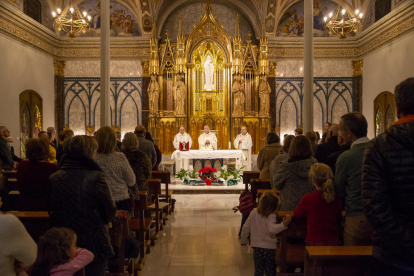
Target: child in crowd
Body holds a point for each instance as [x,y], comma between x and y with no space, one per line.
[321,208]
[58,254]
[262,227]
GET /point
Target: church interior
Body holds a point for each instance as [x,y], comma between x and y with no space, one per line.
[233,66]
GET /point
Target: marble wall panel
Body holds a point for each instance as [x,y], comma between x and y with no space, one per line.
[91,68]
[321,68]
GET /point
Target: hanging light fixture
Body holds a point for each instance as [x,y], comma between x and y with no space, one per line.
[342,22]
[71,20]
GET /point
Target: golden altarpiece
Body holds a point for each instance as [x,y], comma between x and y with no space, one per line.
[211,78]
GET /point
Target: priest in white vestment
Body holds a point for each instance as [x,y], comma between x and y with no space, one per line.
[207,140]
[182,137]
[244,142]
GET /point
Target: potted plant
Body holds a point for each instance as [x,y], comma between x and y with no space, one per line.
[207,174]
[224,175]
[181,174]
[191,177]
[234,176]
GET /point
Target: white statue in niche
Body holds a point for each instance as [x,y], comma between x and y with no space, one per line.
[264,91]
[208,73]
[238,96]
[180,93]
[154,94]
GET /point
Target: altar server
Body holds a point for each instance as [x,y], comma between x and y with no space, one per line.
[181,138]
[244,142]
[207,140]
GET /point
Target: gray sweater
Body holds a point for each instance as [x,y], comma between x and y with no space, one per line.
[292,179]
[147,147]
[118,172]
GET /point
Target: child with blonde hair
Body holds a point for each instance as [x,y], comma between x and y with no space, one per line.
[262,227]
[321,208]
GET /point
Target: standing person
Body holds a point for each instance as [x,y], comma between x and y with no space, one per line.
[63,135]
[262,227]
[267,154]
[18,250]
[322,208]
[5,153]
[292,178]
[139,162]
[333,157]
[207,140]
[311,135]
[58,254]
[298,132]
[331,145]
[115,166]
[80,199]
[52,133]
[47,136]
[387,189]
[118,140]
[10,144]
[144,145]
[284,155]
[348,179]
[157,151]
[244,142]
[33,176]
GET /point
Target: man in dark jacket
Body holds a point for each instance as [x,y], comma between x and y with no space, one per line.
[388,189]
[5,153]
[333,157]
[80,199]
[331,146]
[146,146]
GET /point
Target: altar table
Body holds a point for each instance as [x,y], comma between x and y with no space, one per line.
[181,156]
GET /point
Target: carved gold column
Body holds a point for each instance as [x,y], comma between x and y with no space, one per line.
[272,99]
[146,79]
[357,65]
[59,108]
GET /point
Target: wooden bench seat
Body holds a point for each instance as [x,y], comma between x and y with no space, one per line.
[248,177]
[165,177]
[36,223]
[338,260]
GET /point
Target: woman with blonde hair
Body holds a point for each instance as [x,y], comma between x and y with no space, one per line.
[322,208]
[115,166]
[292,178]
[139,162]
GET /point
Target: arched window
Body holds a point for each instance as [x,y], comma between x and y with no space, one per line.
[384,111]
[31,117]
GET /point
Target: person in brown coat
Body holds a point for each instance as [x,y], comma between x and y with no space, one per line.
[267,154]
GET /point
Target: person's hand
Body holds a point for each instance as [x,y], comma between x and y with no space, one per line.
[287,220]
[240,141]
[15,165]
[207,142]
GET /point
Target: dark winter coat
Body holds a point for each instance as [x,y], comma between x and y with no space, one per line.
[80,199]
[141,166]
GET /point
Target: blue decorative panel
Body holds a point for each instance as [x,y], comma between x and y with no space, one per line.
[81,103]
[333,97]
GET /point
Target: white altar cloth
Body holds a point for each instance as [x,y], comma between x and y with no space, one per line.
[179,156]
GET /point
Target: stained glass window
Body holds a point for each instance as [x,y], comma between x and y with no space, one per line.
[37,121]
[389,117]
[379,125]
[25,131]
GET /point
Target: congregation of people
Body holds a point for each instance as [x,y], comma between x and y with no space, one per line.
[82,181]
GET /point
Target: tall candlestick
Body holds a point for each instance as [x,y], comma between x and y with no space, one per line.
[229,145]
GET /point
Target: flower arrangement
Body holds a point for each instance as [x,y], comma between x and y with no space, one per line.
[181,174]
[207,174]
[224,173]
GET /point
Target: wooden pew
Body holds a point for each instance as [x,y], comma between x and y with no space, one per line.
[165,177]
[338,260]
[157,206]
[36,223]
[259,186]
[141,226]
[292,254]
[14,200]
[10,173]
[119,231]
[248,177]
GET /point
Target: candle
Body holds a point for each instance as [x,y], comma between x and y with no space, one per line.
[229,145]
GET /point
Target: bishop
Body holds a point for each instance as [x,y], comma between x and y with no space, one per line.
[244,142]
[207,140]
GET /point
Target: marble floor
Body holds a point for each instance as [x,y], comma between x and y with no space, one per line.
[201,238]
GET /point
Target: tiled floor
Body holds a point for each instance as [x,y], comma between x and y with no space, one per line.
[201,238]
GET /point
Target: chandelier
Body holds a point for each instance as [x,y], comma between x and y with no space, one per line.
[71,20]
[342,22]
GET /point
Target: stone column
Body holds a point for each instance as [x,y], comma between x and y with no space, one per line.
[59,108]
[105,119]
[307,108]
[357,66]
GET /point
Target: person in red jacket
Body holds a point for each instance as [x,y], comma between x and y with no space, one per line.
[321,208]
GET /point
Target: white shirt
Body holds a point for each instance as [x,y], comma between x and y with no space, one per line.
[361,140]
[179,138]
[207,136]
[246,143]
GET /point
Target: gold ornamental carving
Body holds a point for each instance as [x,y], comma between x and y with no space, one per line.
[357,66]
[59,67]
[272,68]
[145,68]
[90,130]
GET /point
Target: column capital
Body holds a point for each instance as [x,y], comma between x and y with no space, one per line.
[59,67]
[190,65]
[357,65]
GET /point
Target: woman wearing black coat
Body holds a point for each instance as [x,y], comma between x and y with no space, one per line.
[80,199]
